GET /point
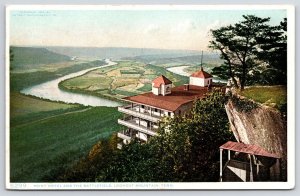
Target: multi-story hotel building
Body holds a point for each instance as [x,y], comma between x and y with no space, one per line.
[144,111]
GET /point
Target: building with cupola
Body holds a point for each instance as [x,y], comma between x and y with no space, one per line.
[143,113]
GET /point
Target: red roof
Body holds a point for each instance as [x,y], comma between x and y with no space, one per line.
[161,80]
[247,148]
[170,102]
[201,74]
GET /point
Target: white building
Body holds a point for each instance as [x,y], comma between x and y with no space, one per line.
[161,86]
[201,78]
[142,115]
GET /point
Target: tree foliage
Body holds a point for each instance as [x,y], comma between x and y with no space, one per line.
[95,163]
[252,50]
[273,45]
[191,142]
[186,149]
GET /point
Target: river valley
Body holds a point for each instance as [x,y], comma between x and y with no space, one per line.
[50,90]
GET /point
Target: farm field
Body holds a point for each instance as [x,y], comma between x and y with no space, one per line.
[125,79]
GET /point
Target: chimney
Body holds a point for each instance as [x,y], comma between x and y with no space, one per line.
[186,87]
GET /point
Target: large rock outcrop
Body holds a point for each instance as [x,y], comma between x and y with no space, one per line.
[254,123]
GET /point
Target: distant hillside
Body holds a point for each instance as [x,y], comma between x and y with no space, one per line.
[210,58]
[117,53]
[196,59]
[30,57]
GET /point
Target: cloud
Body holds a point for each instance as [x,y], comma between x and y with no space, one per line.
[152,29]
[215,25]
[183,27]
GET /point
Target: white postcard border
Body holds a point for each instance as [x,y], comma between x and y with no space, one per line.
[290,184]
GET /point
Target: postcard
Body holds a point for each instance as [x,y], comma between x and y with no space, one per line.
[150,97]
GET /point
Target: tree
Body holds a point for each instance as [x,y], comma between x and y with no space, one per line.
[190,144]
[134,163]
[273,45]
[89,167]
[243,47]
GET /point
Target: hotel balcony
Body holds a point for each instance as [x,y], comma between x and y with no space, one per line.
[124,136]
[131,123]
[120,146]
[137,111]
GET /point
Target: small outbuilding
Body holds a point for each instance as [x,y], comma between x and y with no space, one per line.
[248,163]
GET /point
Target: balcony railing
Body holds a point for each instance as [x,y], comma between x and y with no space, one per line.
[132,124]
[135,112]
[123,136]
[141,137]
[119,146]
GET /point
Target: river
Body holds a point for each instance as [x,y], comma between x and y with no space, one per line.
[49,90]
[180,71]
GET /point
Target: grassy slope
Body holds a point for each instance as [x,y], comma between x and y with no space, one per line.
[26,57]
[275,96]
[18,81]
[31,66]
[46,147]
[47,137]
[27,109]
[170,60]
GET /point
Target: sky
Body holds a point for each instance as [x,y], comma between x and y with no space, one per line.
[165,29]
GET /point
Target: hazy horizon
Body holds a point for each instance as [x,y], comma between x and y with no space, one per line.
[48,46]
[154,29]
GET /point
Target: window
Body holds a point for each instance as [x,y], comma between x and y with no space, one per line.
[155,110]
[169,113]
[143,106]
[168,89]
